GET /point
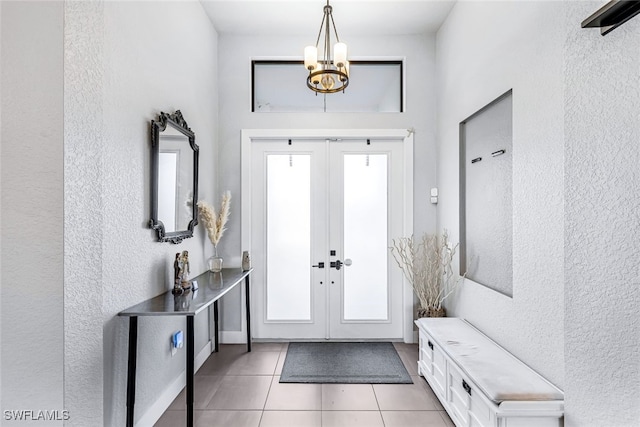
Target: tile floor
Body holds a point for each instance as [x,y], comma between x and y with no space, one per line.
[238,389]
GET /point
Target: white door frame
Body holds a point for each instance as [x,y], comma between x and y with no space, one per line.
[247,135]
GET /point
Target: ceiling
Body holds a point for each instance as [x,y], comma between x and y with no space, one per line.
[352,17]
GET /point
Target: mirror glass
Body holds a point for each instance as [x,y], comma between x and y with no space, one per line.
[174,178]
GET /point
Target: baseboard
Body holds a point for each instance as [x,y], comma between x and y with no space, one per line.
[233,337]
[156,410]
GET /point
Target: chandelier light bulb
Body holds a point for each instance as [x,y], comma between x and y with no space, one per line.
[346,72]
[317,75]
[310,58]
[327,81]
[339,54]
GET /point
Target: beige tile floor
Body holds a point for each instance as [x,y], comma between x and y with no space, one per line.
[238,389]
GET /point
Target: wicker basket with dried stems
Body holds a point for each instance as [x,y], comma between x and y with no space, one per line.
[427,265]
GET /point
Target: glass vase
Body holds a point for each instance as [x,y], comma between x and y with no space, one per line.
[215,262]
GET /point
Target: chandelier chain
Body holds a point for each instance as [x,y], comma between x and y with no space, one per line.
[327,39]
[321,27]
[335,31]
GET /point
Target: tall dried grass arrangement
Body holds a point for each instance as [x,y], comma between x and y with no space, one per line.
[427,265]
[215,222]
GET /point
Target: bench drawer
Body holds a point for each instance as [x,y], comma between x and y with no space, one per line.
[439,371]
[433,364]
[457,397]
[468,401]
[426,352]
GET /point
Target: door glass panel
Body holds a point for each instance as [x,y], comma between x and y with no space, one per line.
[365,237]
[289,237]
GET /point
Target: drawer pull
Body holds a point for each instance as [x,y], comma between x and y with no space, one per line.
[466,387]
[430,345]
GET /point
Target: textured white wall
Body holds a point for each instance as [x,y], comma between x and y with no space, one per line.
[576,200]
[31,208]
[483,49]
[84,210]
[602,222]
[1,98]
[235,54]
[124,63]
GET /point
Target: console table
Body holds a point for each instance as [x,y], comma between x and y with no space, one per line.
[211,287]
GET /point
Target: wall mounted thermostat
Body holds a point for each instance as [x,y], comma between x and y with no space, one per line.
[434,195]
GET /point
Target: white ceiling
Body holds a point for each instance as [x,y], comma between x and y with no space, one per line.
[352,17]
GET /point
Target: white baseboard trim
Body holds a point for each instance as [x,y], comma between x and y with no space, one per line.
[233,337]
[156,410]
[202,356]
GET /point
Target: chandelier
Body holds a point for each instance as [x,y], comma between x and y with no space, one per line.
[327,75]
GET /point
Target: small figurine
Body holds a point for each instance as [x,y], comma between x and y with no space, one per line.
[185,270]
[181,272]
[177,271]
[246,261]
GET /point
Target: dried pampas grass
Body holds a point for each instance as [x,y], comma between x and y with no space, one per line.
[215,222]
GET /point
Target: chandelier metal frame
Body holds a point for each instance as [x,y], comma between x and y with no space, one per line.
[324,70]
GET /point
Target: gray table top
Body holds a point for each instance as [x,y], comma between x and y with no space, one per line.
[211,287]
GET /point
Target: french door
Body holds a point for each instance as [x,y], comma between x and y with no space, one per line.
[323,216]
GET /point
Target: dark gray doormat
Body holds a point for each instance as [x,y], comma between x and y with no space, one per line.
[344,363]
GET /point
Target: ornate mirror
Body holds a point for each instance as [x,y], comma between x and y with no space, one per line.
[174,178]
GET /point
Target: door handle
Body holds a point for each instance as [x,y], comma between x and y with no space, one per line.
[338,264]
[319,265]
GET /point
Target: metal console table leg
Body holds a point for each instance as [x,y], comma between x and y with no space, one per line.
[190,370]
[216,330]
[131,368]
[247,298]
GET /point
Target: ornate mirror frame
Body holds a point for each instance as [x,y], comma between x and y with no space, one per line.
[177,122]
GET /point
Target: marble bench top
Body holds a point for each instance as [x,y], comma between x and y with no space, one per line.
[499,374]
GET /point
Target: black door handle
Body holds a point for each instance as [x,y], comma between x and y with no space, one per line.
[338,264]
[319,265]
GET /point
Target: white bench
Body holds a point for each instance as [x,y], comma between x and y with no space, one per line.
[481,384]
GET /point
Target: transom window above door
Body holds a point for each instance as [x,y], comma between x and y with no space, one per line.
[279,86]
